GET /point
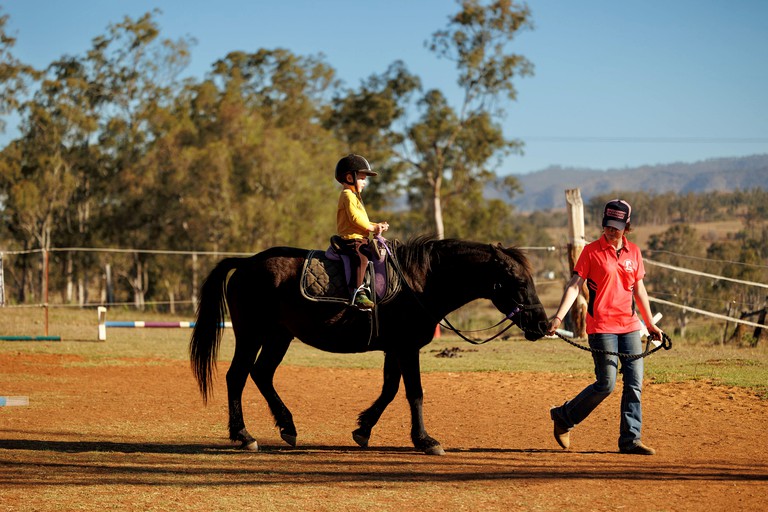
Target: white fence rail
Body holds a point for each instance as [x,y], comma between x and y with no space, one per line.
[708,313]
[704,274]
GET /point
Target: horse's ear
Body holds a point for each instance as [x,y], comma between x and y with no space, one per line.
[498,251]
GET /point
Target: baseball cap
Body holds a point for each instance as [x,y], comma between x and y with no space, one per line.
[616,214]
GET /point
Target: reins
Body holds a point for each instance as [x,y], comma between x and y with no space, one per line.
[460,334]
[666,341]
[444,322]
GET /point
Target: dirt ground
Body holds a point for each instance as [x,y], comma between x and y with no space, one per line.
[134,435]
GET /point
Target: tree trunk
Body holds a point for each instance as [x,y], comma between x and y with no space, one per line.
[138,284]
[69,271]
[437,208]
[195,278]
[110,289]
[81,291]
[23,284]
[171,298]
[2,282]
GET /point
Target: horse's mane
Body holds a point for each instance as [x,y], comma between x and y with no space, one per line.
[518,255]
[415,254]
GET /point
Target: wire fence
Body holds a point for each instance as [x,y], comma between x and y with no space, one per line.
[168,280]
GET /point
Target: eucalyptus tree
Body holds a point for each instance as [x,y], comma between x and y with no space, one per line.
[15,76]
[136,73]
[680,245]
[279,156]
[48,164]
[16,199]
[444,159]
[370,120]
[458,146]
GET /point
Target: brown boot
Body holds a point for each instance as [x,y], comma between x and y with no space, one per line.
[561,433]
[638,449]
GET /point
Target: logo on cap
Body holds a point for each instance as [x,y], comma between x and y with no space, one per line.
[616,214]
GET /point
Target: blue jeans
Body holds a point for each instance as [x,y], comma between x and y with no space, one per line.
[574,411]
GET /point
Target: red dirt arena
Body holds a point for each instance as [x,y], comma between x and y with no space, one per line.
[133,434]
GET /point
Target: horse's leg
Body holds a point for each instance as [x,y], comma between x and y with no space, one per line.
[368,418]
[237,375]
[263,374]
[409,367]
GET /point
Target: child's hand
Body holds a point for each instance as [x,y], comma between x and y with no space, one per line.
[379,227]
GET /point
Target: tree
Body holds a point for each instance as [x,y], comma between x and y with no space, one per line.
[477,40]
[136,72]
[14,75]
[365,121]
[680,239]
[280,154]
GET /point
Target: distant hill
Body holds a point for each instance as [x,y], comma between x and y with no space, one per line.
[543,190]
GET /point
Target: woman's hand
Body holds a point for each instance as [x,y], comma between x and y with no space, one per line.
[553,325]
[654,332]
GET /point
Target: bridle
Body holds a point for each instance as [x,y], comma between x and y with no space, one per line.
[666,341]
[444,322]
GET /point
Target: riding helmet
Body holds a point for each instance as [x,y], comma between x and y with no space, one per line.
[355,164]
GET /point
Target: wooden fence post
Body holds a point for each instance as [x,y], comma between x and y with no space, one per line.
[576,243]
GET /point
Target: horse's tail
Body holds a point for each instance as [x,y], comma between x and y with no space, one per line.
[206,335]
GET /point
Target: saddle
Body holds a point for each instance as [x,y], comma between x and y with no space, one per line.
[326,275]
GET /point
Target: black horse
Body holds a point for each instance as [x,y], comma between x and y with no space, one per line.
[268,311]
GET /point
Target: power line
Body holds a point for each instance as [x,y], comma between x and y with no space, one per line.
[646,140]
[130,251]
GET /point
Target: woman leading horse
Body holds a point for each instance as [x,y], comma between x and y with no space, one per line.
[268,311]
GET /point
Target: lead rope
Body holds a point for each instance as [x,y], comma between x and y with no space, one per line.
[666,344]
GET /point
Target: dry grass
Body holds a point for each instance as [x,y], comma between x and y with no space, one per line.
[709,231]
[689,360]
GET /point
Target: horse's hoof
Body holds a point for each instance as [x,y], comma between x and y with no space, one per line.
[253,446]
[290,439]
[361,439]
[435,450]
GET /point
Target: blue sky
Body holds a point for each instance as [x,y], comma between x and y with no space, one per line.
[617,83]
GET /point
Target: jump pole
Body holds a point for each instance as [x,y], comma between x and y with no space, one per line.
[30,338]
[8,401]
[104,323]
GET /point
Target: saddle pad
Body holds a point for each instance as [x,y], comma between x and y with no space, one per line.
[323,279]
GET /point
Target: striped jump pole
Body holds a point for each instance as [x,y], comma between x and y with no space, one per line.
[30,338]
[104,323]
[8,401]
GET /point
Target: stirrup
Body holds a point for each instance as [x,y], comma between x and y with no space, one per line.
[363,293]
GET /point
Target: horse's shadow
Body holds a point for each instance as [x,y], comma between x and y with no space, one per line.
[328,468]
[107,446]
[229,448]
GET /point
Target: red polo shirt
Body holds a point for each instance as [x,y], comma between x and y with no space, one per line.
[611,282]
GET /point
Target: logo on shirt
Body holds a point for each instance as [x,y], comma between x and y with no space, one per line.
[628,265]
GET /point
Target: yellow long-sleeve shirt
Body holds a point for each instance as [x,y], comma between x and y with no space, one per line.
[351,218]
